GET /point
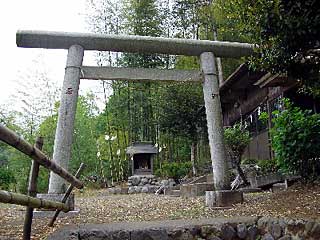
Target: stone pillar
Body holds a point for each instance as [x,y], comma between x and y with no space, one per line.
[67,111]
[214,121]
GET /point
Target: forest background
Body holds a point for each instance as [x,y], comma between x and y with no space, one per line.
[171,116]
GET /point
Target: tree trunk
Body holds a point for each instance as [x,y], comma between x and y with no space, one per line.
[193,155]
[242,175]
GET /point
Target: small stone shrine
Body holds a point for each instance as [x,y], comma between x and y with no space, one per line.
[142,154]
[142,179]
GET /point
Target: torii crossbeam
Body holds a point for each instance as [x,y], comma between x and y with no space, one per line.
[76,43]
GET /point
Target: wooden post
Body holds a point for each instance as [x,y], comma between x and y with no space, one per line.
[66,195]
[214,121]
[32,191]
[67,111]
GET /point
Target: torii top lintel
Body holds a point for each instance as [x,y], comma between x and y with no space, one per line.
[131,43]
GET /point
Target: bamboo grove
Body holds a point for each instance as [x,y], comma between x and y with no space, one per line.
[170,116]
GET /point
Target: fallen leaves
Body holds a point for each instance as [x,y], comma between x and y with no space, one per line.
[98,207]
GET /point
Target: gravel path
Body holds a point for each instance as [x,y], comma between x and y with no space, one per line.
[98,207]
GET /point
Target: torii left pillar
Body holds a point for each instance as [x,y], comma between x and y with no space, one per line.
[67,112]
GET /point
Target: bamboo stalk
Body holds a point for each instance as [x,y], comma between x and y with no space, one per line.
[66,195]
[20,199]
[11,138]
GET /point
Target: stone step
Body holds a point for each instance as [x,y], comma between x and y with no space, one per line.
[250,190]
[175,193]
[172,192]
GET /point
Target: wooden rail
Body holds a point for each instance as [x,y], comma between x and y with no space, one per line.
[66,196]
[39,158]
[9,137]
[20,199]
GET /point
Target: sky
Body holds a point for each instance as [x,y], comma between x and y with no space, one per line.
[57,15]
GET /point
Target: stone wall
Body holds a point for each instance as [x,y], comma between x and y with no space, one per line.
[246,228]
[142,184]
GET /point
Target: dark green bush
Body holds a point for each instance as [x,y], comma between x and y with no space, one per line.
[267,165]
[249,161]
[6,178]
[174,170]
[296,141]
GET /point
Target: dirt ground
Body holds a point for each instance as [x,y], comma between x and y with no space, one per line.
[298,202]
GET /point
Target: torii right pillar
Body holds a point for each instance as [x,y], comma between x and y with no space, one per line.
[222,196]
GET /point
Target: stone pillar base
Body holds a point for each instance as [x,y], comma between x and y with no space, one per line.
[57,197]
[223,198]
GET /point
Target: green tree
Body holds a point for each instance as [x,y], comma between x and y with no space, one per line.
[295,140]
[237,139]
[182,114]
[287,33]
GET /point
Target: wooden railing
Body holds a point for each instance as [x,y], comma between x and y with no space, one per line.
[30,200]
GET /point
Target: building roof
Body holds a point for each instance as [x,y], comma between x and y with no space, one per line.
[141,147]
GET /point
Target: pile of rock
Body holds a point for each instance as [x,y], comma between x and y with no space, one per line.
[143,184]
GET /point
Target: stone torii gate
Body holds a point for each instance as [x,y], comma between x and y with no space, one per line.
[76,43]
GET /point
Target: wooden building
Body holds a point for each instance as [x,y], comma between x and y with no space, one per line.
[245,95]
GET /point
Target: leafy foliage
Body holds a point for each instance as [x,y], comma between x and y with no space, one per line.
[174,170]
[268,166]
[296,142]
[6,178]
[286,31]
[236,139]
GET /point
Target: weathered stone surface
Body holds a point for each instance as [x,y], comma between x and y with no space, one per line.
[263,222]
[111,191]
[137,189]
[213,238]
[97,234]
[181,229]
[152,188]
[309,226]
[275,230]
[278,187]
[242,231]
[315,231]
[117,190]
[150,234]
[131,190]
[227,232]
[144,189]
[194,190]
[267,236]
[180,234]
[266,180]
[144,181]
[225,198]
[165,182]
[295,227]
[209,231]
[286,237]
[135,180]
[253,232]
[124,190]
